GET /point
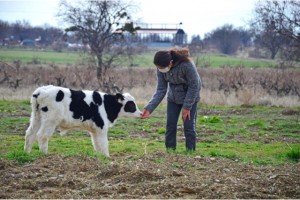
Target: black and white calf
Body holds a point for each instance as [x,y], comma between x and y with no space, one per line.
[57,107]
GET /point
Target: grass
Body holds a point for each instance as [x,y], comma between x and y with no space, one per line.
[260,135]
[140,60]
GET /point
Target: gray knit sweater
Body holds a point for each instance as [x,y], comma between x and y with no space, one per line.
[183,84]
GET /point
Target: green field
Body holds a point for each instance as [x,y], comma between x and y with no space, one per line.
[218,60]
[260,135]
[140,60]
[40,56]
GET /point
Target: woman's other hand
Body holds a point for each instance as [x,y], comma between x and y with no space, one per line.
[186,114]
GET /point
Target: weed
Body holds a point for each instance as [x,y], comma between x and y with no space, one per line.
[256,123]
[161,130]
[213,119]
[294,154]
[22,157]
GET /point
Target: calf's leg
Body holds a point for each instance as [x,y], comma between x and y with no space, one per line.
[100,142]
[44,134]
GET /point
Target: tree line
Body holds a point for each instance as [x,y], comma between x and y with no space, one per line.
[13,33]
[274,27]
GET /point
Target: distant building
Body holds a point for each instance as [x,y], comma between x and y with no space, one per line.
[159,35]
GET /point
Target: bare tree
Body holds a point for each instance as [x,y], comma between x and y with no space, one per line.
[270,39]
[282,17]
[100,24]
[225,38]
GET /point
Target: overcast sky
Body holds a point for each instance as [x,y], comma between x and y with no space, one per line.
[197,16]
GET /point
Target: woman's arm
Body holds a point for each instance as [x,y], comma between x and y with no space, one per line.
[161,90]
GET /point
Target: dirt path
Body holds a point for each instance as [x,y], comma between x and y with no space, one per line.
[159,175]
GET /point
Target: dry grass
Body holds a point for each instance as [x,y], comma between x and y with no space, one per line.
[223,86]
[143,95]
[247,97]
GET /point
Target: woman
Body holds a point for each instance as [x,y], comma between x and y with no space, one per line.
[177,74]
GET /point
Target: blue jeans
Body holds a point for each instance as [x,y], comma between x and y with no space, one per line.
[173,112]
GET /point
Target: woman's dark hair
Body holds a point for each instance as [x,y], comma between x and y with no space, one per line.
[163,58]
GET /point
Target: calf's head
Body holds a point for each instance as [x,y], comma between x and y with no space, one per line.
[129,108]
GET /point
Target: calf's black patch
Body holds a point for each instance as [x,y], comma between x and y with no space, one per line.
[81,110]
[97,98]
[36,95]
[130,107]
[119,96]
[60,96]
[45,109]
[112,106]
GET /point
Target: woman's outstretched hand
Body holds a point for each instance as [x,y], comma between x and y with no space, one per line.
[145,114]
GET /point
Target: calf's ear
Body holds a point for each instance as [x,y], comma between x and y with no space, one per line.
[120,97]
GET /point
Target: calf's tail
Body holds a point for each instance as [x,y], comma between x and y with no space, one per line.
[34,126]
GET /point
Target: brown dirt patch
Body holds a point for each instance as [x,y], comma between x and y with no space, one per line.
[159,175]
